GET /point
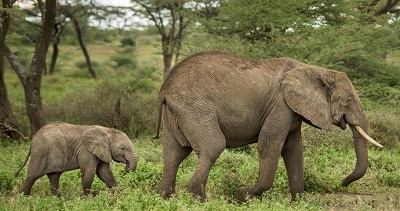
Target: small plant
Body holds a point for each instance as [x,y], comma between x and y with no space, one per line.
[6,180]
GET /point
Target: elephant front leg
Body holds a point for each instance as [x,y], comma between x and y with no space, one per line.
[88,170]
[270,142]
[106,175]
[292,154]
[267,169]
[87,180]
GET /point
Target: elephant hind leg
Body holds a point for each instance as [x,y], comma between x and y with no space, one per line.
[54,183]
[173,155]
[208,142]
[30,180]
[35,171]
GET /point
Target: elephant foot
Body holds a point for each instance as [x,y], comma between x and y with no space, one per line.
[244,194]
[90,192]
[55,192]
[197,191]
[25,193]
[166,192]
[298,196]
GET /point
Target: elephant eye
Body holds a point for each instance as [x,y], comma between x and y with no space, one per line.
[122,148]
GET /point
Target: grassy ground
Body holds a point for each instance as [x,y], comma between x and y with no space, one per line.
[329,156]
[325,166]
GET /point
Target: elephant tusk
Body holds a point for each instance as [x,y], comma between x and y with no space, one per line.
[366,136]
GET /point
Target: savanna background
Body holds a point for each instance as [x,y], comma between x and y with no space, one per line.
[130,60]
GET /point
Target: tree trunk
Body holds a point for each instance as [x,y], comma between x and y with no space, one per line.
[31,82]
[32,92]
[58,29]
[8,123]
[85,52]
[167,50]
[167,62]
[34,107]
[53,58]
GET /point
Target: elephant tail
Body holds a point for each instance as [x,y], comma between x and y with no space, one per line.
[161,101]
[26,160]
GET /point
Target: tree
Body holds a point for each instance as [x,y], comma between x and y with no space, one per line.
[31,81]
[380,7]
[74,11]
[317,32]
[8,123]
[172,18]
[59,26]
[115,18]
[171,25]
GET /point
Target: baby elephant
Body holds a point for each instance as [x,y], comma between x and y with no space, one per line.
[59,147]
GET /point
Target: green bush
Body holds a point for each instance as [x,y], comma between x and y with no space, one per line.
[82,64]
[390,178]
[6,180]
[124,60]
[95,105]
[128,41]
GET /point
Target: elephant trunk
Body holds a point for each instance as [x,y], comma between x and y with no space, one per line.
[360,145]
[131,162]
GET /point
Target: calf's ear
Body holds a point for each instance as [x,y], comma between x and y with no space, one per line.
[97,141]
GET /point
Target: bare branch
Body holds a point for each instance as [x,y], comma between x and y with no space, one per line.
[16,65]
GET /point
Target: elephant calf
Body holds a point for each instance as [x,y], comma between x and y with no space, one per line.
[59,147]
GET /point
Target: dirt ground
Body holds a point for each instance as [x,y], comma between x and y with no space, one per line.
[367,201]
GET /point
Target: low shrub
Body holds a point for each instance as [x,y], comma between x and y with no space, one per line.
[95,105]
[390,179]
[124,60]
[128,41]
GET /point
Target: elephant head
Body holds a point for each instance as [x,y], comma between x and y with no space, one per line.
[110,144]
[326,98]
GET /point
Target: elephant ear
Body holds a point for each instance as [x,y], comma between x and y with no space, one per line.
[307,91]
[97,141]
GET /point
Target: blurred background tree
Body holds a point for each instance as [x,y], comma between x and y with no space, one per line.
[354,37]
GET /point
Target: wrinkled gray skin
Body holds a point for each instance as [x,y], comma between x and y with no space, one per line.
[59,147]
[214,100]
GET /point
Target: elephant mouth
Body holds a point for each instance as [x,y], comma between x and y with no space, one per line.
[340,121]
[122,160]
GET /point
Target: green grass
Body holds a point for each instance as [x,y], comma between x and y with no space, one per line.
[325,167]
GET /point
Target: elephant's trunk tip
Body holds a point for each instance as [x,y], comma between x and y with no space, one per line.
[354,176]
[130,167]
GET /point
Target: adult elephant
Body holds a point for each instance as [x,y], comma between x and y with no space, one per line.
[214,100]
[59,147]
